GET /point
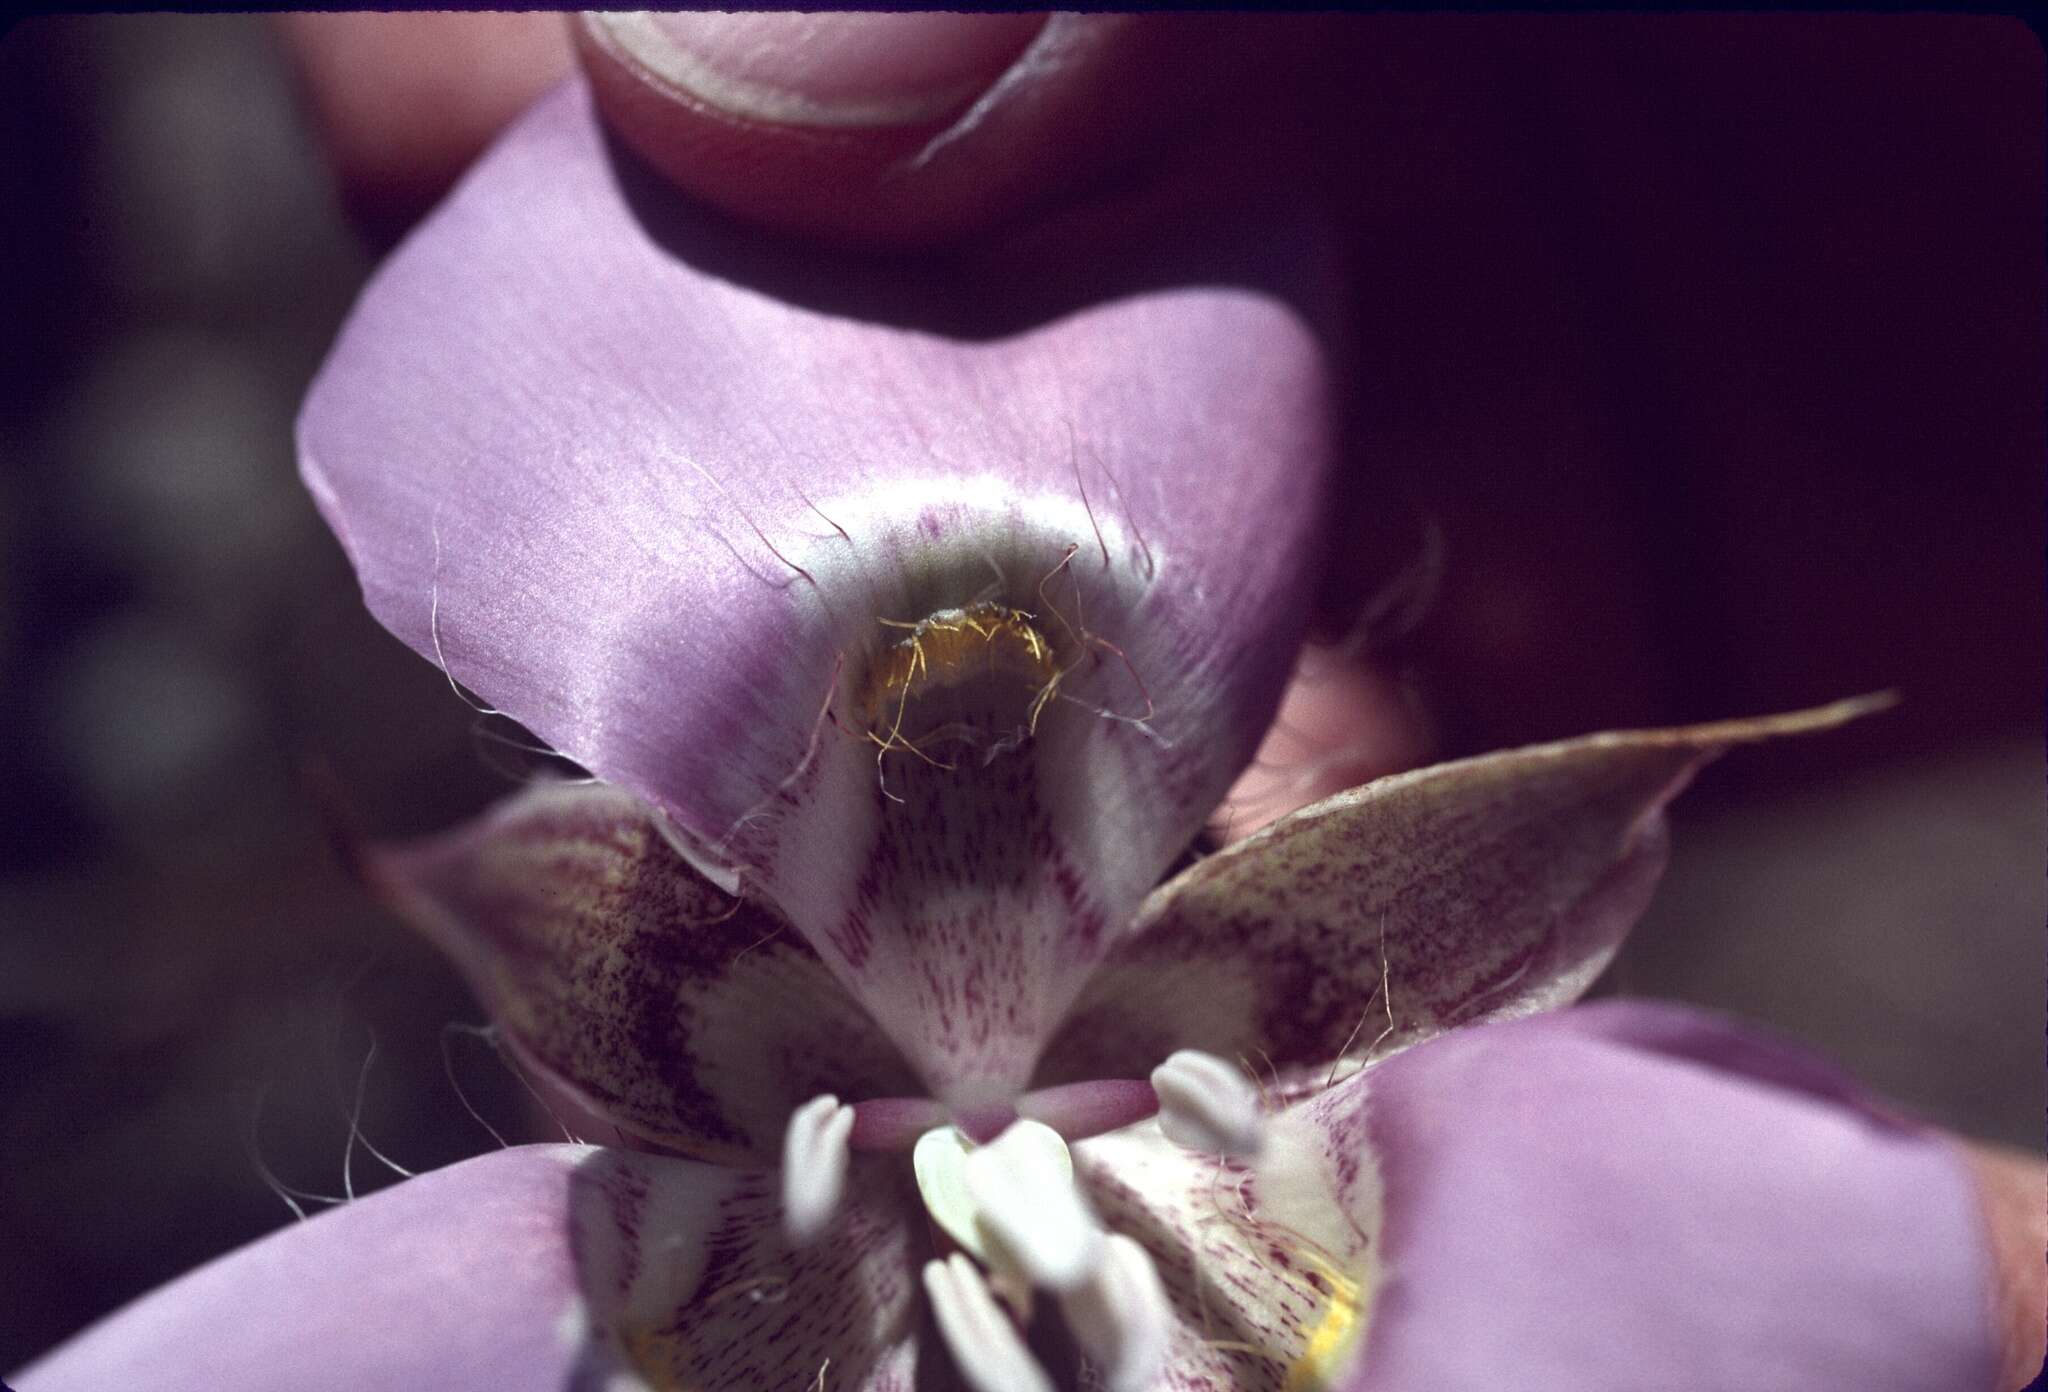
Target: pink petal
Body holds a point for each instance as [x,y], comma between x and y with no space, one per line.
[659,492]
[528,1270]
[1625,1195]
[1606,1199]
[657,1002]
[1490,887]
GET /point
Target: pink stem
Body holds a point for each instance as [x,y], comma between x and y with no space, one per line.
[893,1123]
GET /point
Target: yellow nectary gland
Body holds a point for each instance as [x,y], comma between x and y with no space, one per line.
[991,656]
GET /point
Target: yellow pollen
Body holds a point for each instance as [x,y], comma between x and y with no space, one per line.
[948,649]
[1330,1341]
[660,1357]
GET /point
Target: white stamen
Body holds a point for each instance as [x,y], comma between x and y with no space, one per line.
[986,1347]
[814,1154]
[1119,1316]
[1022,1184]
[1205,1104]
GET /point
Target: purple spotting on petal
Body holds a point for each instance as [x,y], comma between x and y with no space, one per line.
[1611,1199]
[1489,887]
[622,979]
[937,610]
[1266,1274]
[761,1315]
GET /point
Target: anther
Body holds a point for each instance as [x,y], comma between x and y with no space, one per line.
[1119,1316]
[814,1152]
[1022,1184]
[986,1347]
[1206,1104]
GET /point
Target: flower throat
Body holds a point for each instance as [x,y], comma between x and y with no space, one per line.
[973,680]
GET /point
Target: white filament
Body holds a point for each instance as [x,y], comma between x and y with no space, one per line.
[986,1347]
[1119,1316]
[814,1156]
[1206,1104]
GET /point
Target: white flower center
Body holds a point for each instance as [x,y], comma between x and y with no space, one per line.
[1012,1205]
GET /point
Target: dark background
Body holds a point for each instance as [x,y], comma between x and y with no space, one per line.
[1712,347]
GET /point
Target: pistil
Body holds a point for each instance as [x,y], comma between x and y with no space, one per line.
[1080,1110]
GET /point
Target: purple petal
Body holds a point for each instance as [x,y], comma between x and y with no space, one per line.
[667,518]
[622,977]
[463,1277]
[542,1268]
[1611,1199]
[1490,887]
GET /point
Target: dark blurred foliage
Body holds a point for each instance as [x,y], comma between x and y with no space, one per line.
[1712,347]
[187,980]
[1721,380]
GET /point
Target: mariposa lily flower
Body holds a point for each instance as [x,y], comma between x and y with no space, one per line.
[908,654]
